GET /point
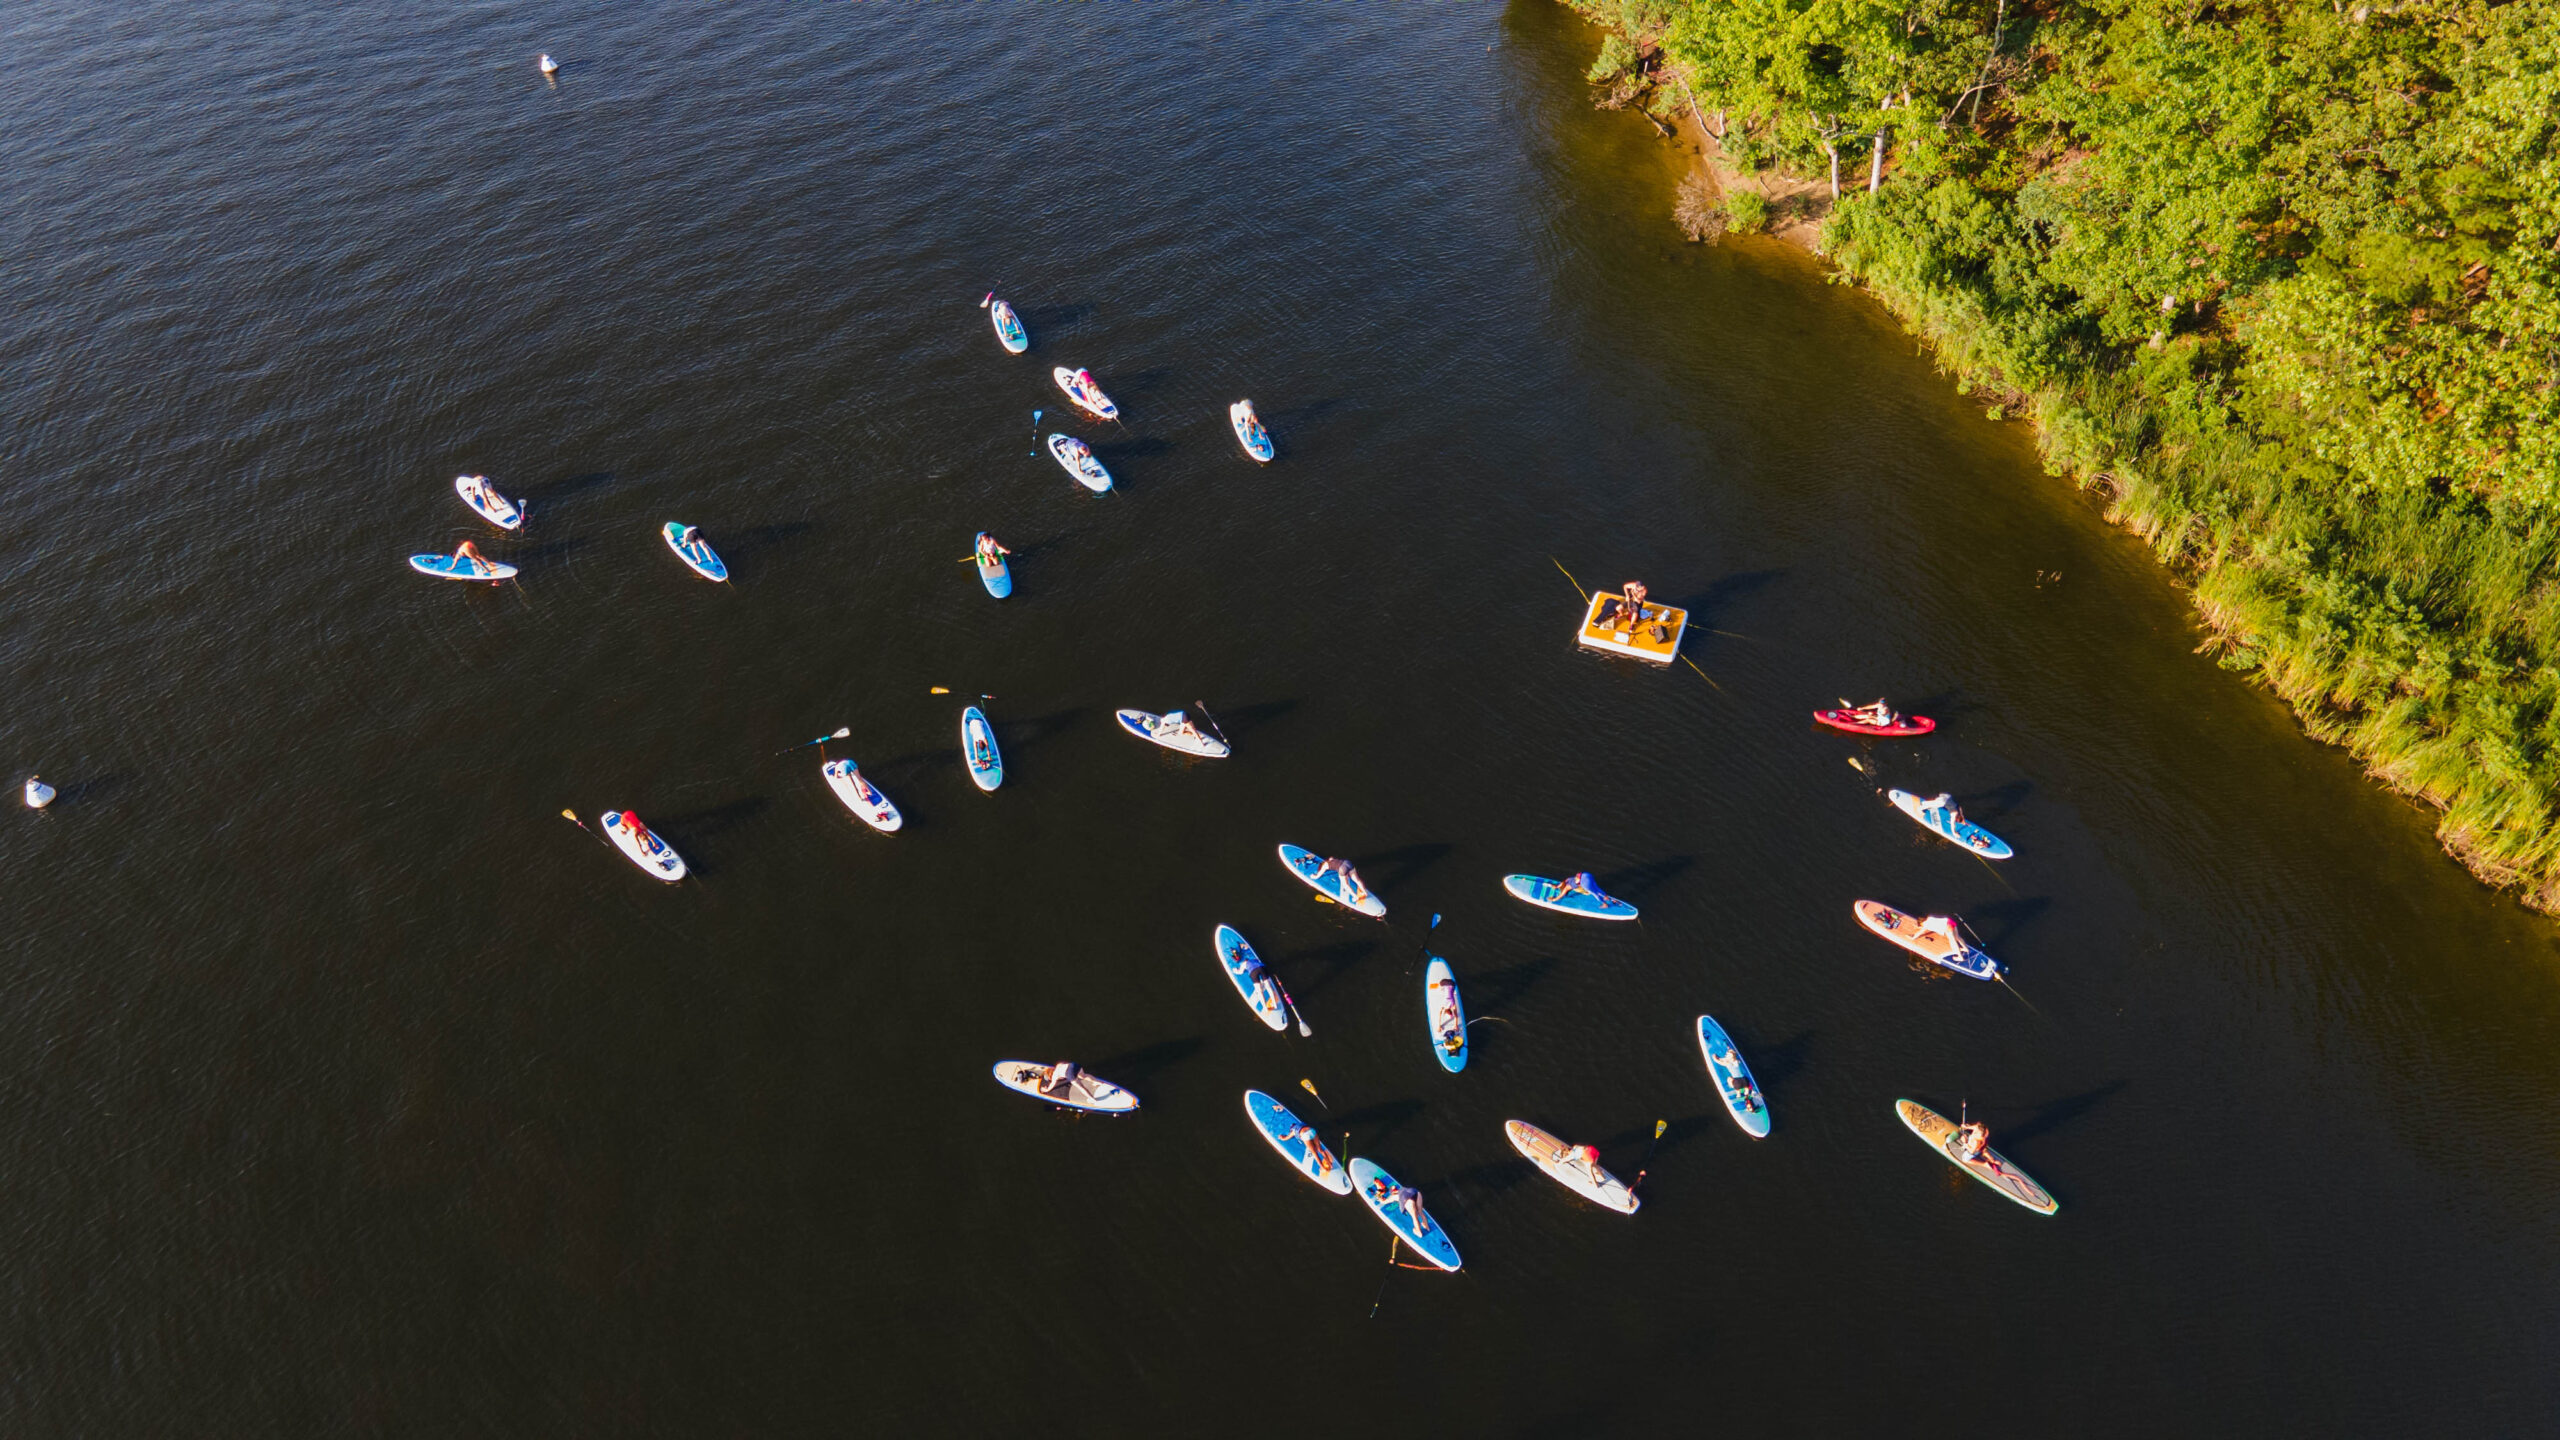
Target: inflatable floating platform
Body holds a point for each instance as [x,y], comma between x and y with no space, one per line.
[1656,639]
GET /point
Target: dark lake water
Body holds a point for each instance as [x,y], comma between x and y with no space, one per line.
[351,1090]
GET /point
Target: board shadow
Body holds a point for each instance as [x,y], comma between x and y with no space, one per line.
[1395,867]
[2058,1114]
[559,490]
[2006,918]
[1336,958]
[1641,880]
[1144,1064]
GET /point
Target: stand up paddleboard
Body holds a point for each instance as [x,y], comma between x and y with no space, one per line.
[457,567]
[487,503]
[1656,637]
[1088,397]
[1077,457]
[1991,1168]
[1154,727]
[1249,432]
[697,555]
[1848,720]
[1377,1190]
[1257,987]
[1741,1093]
[36,793]
[1445,1014]
[1296,1142]
[1084,1092]
[1557,1161]
[993,572]
[1304,864]
[1549,895]
[861,796]
[1933,945]
[978,747]
[1009,331]
[653,855]
[1961,832]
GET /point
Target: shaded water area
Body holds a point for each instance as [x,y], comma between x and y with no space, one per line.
[351,1090]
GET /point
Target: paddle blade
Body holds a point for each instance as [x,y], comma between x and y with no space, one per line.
[842,731]
[1435,919]
[572,817]
[983,303]
[1659,1126]
[941,690]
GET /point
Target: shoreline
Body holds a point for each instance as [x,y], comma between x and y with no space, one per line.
[1800,209]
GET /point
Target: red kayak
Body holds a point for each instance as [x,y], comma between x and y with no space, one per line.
[1846,720]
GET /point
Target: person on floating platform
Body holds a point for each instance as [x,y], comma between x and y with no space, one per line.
[1627,611]
[1580,884]
[1945,804]
[1353,892]
[1745,1094]
[989,551]
[1177,724]
[1970,1141]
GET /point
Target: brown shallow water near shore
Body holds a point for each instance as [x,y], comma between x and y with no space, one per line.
[352,1090]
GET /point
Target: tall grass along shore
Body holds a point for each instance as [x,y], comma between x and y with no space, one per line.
[2281,279]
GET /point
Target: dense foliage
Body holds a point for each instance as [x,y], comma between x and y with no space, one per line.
[2283,276]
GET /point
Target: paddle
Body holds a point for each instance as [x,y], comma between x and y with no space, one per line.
[1392,1242]
[1310,1087]
[1034,451]
[841,732]
[1213,724]
[1998,975]
[1658,1127]
[983,304]
[572,817]
[1305,1031]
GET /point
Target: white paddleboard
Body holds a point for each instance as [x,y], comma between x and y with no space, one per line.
[1084,1092]
[1153,727]
[640,847]
[1088,398]
[861,796]
[487,503]
[1558,1162]
[1077,459]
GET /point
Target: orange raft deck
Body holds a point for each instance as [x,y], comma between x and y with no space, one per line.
[1656,639]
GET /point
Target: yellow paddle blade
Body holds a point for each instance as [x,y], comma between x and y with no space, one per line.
[568,814]
[1659,1126]
[1310,1087]
[941,689]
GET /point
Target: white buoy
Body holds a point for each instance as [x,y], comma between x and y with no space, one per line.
[39,794]
[550,66]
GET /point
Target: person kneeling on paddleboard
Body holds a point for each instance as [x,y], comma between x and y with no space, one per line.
[1969,1141]
[1352,890]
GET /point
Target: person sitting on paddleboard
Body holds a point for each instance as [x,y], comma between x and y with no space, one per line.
[1586,1156]
[989,551]
[1945,804]
[1879,713]
[1970,1141]
[1061,1079]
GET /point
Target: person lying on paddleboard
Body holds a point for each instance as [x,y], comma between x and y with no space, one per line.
[1176,723]
[1588,1157]
[1352,890]
[1305,1135]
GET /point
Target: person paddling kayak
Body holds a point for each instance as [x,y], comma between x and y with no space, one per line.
[1878,714]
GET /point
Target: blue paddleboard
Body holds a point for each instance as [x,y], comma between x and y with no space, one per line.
[1009,331]
[1378,1190]
[993,572]
[696,554]
[1946,827]
[1741,1093]
[1305,863]
[1549,894]
[455,567]
[1251,981]
[1447,1017]
[1296,1142]
[978,747]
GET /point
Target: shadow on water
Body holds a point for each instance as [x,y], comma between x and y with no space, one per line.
[764,539]
[1702,606]
[1336,958]
[2001,920]
[1245,719]
[1997,801]
[1138,447]
[1639,880]
[1137,1067]
[1137,382]
[1632,1143]
[1776,1064]
[559,490]
[1378,1121]
[1496,1176]
[2058,1114]
[1276,421]
[1038,318]
[96,787]
[1389,868]
[1488,994]
[690,831]
[1023,734]
[534,557]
